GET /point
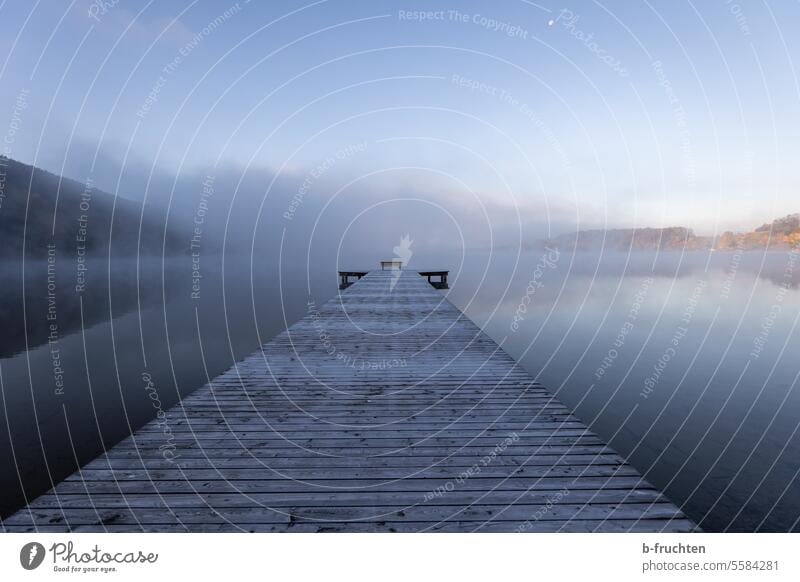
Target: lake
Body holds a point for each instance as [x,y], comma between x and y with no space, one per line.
[686,363]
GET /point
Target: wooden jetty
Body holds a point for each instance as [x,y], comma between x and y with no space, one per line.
[385,409]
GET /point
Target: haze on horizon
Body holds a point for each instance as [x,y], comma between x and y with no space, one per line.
[507,122]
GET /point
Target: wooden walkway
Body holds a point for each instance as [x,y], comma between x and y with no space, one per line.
[385,409]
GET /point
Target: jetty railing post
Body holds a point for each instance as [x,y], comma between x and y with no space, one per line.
[344,278]
[442,278]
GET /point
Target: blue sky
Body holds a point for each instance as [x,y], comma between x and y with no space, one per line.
[593,113]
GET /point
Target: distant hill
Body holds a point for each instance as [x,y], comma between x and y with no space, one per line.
[783,233]
[637,239]
[72,217]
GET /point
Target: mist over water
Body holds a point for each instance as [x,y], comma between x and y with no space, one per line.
[683,362]
[140,337]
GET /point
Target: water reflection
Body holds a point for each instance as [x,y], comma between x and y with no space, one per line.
[134,332]
[685,363]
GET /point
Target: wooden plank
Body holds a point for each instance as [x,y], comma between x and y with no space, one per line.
[339,498]
[517,512]
[363,476]
[476,453]
[420,486]
[385,409]
[573,526]
[458,462]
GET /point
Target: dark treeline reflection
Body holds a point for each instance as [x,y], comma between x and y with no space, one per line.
[81,386]
[686,363]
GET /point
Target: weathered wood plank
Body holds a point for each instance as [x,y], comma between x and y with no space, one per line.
[351,498]
[455,525]
[365,476]
[457,462]
[420,486]
[517,512]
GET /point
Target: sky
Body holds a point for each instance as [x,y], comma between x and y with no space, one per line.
[493,119]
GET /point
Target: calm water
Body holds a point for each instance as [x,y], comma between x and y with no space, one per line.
[135,330]
[687,364]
